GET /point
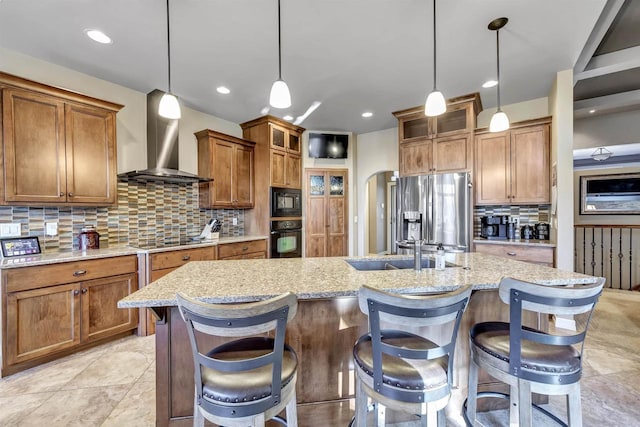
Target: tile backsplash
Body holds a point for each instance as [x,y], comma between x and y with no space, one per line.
[146,212]
[527,215]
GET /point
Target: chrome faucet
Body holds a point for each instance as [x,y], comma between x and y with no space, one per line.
[417,255]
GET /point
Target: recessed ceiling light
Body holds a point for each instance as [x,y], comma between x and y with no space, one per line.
[223,90]
[288,118]
[489,83]
[367,114]
[98,36]
[592,111]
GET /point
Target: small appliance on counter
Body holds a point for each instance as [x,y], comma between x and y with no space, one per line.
[541,231]
[494,227]
[526,232]
[88,238]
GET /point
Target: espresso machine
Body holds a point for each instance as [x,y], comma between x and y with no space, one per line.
[411,226]
[494,227]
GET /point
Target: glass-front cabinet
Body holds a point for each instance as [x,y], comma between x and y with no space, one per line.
[284,139]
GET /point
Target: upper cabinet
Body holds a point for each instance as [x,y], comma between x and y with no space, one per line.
[438,144]
[59,147]
[512,167]
[284,142]
[230,162]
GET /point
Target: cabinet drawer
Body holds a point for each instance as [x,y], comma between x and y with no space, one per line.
[174,259]
[19,279]
[536,254]
[241,248]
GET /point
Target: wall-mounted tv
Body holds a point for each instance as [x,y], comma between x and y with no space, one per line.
[328,145]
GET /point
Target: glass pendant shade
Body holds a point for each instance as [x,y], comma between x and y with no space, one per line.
[435,104]
[280,96]
[499,122]
[169,107]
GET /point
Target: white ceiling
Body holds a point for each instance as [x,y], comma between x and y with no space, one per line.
[351,55]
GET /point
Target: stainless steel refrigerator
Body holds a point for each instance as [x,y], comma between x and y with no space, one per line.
[436,209]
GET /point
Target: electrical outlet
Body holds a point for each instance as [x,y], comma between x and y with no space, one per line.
[10,230]
[234,221]
[52,228]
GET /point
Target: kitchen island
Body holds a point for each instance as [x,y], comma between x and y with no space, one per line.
[327,323]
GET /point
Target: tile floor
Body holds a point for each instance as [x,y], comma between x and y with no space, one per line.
[113,385]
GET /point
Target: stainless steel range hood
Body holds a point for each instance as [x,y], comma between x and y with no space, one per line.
[162,148]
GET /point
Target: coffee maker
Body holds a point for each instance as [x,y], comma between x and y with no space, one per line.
[412,226]
[541,231]
[494,227]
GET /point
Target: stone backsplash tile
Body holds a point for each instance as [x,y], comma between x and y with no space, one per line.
[146,212]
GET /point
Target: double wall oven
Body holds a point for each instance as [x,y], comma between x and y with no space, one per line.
[286,223]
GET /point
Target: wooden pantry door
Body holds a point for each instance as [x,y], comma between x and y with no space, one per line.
[326,195]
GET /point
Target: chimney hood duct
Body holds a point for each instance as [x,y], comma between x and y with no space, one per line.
[162,148]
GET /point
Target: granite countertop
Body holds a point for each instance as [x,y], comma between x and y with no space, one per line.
[522,242]
[57,256]
[251,280]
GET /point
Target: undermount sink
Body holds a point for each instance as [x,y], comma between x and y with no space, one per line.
[391,264]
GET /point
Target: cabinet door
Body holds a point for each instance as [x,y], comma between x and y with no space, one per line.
[100,315]
[243,175]
[278,137]
[294,145]
[91,155]
[492,169]
[223,174]
[452,154]
[457,118]
[530,165]
[278,161]
[416,157]
[316,225]
[337,214]
[41,322]
[34,156]
[293,172]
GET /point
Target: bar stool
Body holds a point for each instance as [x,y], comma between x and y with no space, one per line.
[402,370]
[530,360]
[247,381]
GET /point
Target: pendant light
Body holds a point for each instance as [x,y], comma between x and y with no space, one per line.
[435,103]
[169,107]
[499,121]
[280,96]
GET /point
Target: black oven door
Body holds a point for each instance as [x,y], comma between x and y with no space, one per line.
[286,239]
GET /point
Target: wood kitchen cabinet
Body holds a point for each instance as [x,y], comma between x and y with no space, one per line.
[59,147]
[512,167]
[326,232]
[254,249]
[159,264]
[543,255]
[230,162]
[439,144]
[53,310]
[278,163]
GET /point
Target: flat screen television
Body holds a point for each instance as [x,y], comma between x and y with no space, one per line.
[328,145]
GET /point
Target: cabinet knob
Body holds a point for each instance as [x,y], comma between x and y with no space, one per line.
[61,194]
[186,257]
[84,290]
[245,248]
[79,273]
[76,292]
[511,253]
[70,194]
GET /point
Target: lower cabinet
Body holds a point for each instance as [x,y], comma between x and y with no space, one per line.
[163,263]
[543,255]
[255,249]
[46,318]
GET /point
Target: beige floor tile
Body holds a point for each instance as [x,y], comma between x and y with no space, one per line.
[14,409]
[149,375]
[81,407]
[113,368]
[137,408]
